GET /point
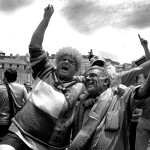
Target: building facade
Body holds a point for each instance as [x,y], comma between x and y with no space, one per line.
[20,63]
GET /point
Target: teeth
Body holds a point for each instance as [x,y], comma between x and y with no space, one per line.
[64,68]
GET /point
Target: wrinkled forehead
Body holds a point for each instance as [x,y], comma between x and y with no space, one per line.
[98,72]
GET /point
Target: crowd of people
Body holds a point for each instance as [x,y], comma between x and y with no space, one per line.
[100,110]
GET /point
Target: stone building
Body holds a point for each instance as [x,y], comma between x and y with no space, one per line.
[20,63]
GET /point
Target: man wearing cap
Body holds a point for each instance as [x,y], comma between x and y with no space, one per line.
[108,121]
[127,77]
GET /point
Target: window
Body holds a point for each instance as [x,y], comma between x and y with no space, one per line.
[25,67]
[17,66]
[2,66]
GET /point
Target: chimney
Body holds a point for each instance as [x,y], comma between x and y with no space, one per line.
[11,55]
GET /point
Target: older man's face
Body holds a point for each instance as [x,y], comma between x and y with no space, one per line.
[94,82]
[66,67]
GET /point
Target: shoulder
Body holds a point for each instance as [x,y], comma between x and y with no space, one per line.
[79,78]
[79,86]
[17,85]
[1,82]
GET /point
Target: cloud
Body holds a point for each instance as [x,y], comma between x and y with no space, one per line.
[9,6]
[140,15]
[83,15]
[87,16]
[107,55]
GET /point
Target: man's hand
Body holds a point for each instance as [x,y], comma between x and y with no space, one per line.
[38,35]
[137,113]
[144,42]
[49,10]
[120,90]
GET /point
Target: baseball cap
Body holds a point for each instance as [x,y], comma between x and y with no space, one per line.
[97,61]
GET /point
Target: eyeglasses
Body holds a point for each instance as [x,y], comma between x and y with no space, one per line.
[69,60]
[93,75]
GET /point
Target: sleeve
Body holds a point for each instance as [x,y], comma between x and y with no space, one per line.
[134,102]
[128,77]
[128,103]
[39,62]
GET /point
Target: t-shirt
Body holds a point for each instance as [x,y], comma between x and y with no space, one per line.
[19,95]
[19,92]
[4,102]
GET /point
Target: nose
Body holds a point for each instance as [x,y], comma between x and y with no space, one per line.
[67,61]
[88,78]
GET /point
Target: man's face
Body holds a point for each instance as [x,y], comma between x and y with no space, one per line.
[94,82]
[66,68]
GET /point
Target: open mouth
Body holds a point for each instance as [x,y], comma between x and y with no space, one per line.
[90,84]
[64,69]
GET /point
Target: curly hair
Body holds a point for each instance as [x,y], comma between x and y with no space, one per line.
[69,51]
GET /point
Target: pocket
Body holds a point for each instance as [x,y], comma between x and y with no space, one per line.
[112,121]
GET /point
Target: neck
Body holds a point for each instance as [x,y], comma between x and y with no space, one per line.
[92,95]
[62,80]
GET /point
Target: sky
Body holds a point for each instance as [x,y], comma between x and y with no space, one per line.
[109,27]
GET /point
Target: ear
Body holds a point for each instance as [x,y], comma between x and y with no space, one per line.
[106,82]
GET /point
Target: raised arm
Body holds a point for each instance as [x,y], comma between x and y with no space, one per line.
[38,57]
[143,67]
[38,35]
[144,44]
[128,77]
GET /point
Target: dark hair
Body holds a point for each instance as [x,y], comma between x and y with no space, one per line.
[10,75]
[98,63]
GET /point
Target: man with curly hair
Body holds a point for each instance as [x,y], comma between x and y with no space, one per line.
[45,122]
